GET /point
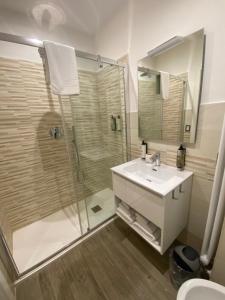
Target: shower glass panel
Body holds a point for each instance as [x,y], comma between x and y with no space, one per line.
[56,154]
[96,145]
[36,183]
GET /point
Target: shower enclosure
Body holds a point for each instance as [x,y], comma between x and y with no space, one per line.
[56,154]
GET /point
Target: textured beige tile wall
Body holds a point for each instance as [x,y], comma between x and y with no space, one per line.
[201,159]
[161,120]
[172,111]
[99,147]
[35,177]
[86,131]
[151,110]
[112,102]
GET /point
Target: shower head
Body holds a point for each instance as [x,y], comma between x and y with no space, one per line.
[146,74]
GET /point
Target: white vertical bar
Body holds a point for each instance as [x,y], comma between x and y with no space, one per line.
[214,198]
[217,227]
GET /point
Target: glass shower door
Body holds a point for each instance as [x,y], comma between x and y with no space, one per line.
[36,183]
[99,138]
[56,154]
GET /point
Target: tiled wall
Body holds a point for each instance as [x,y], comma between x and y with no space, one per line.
[172,111]
[86,131]
[36,170]
[99,147]
[201,159]
[150,109]
[111,95]
[161,120]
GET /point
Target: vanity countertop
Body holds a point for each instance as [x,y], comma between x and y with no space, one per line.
[161,180]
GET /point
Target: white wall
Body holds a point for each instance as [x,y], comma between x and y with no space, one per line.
[112,38]
[15,51]
[20,24]
[151,23]
[218,270]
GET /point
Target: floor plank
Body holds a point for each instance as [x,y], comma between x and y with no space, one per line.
[115,263]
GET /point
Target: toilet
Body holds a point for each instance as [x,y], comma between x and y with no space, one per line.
[200,289]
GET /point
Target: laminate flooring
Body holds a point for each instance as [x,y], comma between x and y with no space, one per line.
[113,264]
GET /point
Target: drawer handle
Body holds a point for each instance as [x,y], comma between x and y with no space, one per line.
[173,195]
[180,189]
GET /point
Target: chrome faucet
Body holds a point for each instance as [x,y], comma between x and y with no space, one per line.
[155,158]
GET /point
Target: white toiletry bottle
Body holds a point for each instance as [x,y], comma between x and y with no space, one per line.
[118,123]
[143,149]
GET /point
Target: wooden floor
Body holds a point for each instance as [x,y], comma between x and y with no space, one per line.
[114,264]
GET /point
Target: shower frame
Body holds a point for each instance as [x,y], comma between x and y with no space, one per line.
[6,37]
[10,264]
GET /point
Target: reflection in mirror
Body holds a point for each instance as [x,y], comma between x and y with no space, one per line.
[169,88]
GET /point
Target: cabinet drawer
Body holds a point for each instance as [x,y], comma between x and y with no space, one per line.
[119,187]
[144,202]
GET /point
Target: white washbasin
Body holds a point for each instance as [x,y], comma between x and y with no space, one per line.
[200,289]
[151,173]
[161,180]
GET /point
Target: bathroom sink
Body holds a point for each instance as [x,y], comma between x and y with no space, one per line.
[200,289]
[159,175]
[161,179]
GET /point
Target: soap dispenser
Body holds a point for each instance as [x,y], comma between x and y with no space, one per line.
[181,153]
[144,149]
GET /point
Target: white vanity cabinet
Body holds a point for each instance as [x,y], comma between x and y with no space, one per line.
[166,213]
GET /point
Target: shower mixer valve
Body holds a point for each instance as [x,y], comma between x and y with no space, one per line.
[55,132]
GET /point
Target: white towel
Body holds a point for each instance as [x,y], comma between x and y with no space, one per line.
[164,85]
[146,232]
[124,214]
[62,67]
[124,207]
[147,225]
[157,235]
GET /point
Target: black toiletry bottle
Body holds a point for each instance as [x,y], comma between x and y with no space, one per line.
[144,149]
[181,153]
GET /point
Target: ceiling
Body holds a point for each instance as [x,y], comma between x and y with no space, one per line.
[82,15]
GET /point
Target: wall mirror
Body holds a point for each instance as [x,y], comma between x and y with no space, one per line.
[169,90]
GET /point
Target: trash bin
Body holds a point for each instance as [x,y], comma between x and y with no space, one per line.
[184,265]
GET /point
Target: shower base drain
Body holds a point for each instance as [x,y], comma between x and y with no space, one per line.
[96,208]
